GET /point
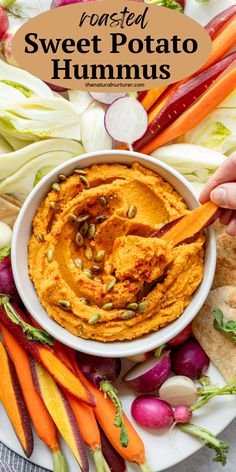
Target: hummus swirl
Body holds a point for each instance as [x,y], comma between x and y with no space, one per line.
[95,270]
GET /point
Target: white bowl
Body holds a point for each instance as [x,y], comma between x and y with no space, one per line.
[22,234]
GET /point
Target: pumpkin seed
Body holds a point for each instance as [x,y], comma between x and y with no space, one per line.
[84,181]
[81,330]
[88,273]
[80,171]
[128,315]
[64,304]
[78,263]
[97,279]
[94,319]
[79,239]
[142,307]
[50,254]
[107,306]
[84,228]
[40,237]
[132,212]
[99,256]
[96,269]
[103,201]
[54,206]
[56,186]
[91,231]
[100,219]
[88,253]
[82,218]
[83,300]
[132,306]
[110,285]
[61,177]
[72,218]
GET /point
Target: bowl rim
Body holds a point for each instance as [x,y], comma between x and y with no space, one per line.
[116,348]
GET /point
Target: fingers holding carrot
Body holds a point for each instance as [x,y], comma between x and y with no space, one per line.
[221,190]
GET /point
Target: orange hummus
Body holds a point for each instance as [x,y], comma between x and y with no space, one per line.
[95,270]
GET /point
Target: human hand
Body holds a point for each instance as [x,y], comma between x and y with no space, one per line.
[221,189]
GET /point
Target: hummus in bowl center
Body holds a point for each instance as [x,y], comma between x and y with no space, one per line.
[96,270]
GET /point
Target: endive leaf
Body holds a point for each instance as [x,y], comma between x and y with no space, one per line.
[48,150]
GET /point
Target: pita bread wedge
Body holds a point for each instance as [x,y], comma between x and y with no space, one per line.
[226,261]
[217,345]
[9,209]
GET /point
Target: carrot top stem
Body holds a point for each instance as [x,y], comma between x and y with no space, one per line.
[145,467]
[33,334]
[100,462]
[108,389]
[106,466]
[59,462]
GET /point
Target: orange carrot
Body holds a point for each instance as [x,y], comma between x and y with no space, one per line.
[42,421]
[105,413]
[194,115]
[151,97]
[13,402]
[189,225]
[86,421]
[89,431]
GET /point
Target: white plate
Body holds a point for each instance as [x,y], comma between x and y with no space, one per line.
[162,450]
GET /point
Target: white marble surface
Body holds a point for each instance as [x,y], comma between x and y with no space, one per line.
[202,460]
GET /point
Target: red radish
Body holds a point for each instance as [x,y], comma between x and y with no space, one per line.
[141,357]
[152,413]
[113,458]
[98,369]
[126,120]
[107,98]
[4,22]
[56,88]
[182,3]
[146,377]
[181,337]
[218,22]
[182,414]
[189,359]
[7,45]
[179,390]
[182,98]
[7,283]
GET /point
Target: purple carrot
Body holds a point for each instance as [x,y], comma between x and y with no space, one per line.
[113,458]
[218,22]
